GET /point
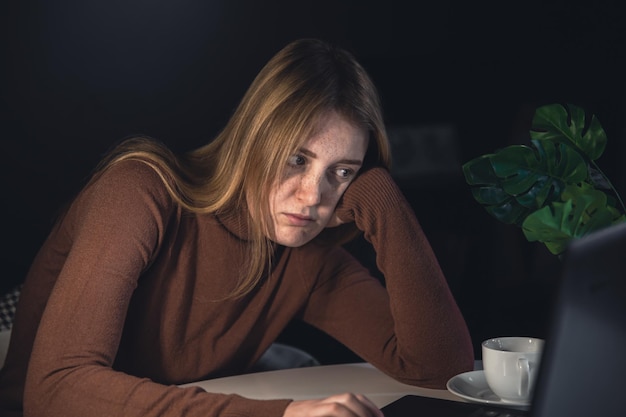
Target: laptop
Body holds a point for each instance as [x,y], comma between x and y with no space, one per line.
[583,366]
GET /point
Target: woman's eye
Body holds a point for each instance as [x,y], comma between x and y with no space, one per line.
[296,160]
[344,173]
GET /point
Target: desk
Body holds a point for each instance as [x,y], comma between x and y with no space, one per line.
[319,382]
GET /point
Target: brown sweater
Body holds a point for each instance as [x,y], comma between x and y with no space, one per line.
[122,303]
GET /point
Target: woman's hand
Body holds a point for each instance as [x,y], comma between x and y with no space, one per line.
[342,405]
[334,220]
[344,212]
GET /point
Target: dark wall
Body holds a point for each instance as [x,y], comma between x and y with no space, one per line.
[80,75]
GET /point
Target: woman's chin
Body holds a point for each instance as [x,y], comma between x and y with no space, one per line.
[294,240]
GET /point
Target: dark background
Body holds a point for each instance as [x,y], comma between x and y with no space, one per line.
[78,76]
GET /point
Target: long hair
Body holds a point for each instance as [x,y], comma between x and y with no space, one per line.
[302,83]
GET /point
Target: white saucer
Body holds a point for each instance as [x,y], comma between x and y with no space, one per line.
[473,386]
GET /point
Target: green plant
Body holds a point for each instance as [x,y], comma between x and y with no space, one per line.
[553,189]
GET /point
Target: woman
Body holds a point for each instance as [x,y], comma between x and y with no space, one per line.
[165,269]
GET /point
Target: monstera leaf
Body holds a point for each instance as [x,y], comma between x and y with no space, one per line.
[517,180]
[553,188]
[584,210]
[567,124]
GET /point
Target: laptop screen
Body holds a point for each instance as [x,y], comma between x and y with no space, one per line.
[583,370]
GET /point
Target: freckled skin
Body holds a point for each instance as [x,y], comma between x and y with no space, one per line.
[304,201]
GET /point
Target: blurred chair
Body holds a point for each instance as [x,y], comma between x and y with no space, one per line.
[8,302]
[5,336]
[281,356]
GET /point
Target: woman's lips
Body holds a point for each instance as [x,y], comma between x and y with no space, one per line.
[298,220]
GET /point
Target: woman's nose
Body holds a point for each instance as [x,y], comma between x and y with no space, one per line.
[310,189]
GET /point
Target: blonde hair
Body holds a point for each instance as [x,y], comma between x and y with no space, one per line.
[302,83]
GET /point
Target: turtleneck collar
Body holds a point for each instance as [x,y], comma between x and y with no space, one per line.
[237,222]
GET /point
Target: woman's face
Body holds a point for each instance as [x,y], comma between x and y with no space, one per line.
[304,200]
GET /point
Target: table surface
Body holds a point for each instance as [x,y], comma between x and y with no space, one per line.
[319,382]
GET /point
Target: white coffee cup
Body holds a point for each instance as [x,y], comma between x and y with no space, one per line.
[510,365]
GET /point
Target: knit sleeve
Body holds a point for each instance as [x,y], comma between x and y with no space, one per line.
[115,227]
[413,329]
